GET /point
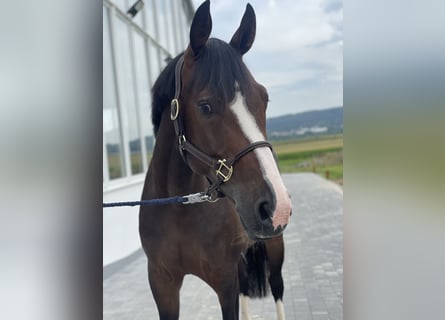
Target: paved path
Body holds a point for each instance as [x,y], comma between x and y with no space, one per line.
[312,271]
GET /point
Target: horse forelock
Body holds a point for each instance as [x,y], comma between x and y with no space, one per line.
[218,69]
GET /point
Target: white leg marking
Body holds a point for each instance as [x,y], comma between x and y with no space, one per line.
[245,312]
[265,158]
[280,310]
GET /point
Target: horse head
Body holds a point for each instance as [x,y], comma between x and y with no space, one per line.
[223,110]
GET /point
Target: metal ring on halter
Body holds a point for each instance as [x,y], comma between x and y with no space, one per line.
[211,198]
[174,111]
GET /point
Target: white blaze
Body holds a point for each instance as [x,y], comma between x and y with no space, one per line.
[265,158]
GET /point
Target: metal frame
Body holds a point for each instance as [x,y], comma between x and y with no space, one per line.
[117,97]
[122,107]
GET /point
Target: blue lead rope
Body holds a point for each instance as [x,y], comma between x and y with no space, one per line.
[152,202]
[189,199]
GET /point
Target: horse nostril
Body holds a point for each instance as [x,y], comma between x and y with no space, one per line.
[265,210]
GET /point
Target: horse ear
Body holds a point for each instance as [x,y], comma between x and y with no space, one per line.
[201,28]
[243,38]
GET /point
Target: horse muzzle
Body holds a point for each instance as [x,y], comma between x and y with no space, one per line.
[268,218]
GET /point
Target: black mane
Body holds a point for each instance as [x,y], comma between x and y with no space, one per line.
[217,69]
[163,92]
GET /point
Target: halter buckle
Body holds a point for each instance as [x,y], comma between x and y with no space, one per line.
[225,176]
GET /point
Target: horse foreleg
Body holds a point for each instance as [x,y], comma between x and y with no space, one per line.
[165,287]
[228,292]
[275,253]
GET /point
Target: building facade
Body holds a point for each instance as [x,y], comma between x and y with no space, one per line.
[135,50]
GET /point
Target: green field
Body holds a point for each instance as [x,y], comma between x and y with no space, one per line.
[323,155]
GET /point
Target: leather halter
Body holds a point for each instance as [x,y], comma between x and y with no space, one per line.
[223,167]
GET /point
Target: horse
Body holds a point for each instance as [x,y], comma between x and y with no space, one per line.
[208,115]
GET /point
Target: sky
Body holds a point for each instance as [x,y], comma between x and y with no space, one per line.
[298,50]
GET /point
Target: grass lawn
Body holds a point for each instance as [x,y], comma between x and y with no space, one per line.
[323,155]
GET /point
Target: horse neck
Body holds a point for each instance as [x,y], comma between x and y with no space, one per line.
[170,175]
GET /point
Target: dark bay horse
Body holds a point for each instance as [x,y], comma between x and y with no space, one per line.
[208,114]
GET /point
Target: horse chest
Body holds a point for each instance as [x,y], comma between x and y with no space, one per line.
[185,235]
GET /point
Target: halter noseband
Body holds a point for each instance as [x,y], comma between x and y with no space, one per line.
[223,167]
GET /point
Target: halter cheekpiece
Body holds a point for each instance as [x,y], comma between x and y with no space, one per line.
[223,167]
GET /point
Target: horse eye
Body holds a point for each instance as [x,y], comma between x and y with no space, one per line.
[205,109]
